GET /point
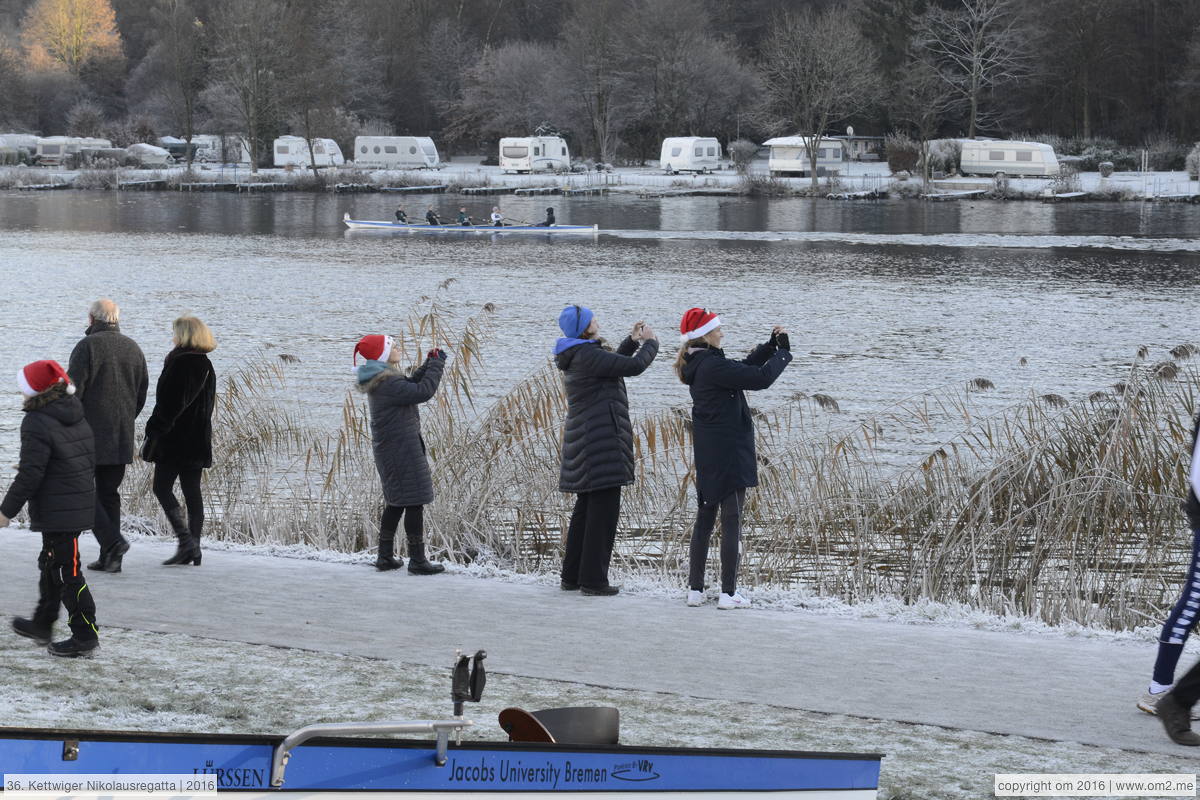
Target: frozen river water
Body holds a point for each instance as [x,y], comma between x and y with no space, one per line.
[885,300]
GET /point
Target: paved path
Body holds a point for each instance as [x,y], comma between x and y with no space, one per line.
[1030,685]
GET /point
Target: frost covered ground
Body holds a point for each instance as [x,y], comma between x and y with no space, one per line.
[260,642]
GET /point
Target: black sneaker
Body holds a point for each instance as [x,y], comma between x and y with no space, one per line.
[31,630]
[600,591]
[74,648]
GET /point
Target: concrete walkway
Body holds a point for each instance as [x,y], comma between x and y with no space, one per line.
[1059,689]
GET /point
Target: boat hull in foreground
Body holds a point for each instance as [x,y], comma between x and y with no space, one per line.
[332,766]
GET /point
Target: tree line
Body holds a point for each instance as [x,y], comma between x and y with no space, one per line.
[615,76]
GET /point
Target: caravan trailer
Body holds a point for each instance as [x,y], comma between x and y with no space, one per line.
[293,151]
[789,156]
[53,150]
[396,152]
[533,154]
[226,149]
[992,158]
[690,154]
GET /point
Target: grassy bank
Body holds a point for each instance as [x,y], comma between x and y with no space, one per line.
[1067,511]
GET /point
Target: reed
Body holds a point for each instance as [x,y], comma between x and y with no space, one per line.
[1063,509]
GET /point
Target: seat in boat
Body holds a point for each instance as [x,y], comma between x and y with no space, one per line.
[575,725]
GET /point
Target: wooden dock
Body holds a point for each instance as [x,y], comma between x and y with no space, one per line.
[42,187]
[1064,197]
[263,187]
[149,185]
[964,195]
[431,189]
[580,191]
[529,191]
[477,190]
[207,186]
[1177,197]
[867,194]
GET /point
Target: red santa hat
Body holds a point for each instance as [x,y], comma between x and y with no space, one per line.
[697,322]
[375,347]
[39,376]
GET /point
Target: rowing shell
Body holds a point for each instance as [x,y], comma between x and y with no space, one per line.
[369,224]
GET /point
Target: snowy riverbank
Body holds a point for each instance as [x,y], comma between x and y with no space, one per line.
[264,643]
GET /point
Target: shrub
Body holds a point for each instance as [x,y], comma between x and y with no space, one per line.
[945,155]
[1164,154]
[903,152]
[742,153]
[1193,162]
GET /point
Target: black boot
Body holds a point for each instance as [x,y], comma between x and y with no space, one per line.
[110,560]
[196,528]
[74,648]
[31,629]
[418,564]
[385,560]
[187,549]
[1176,719]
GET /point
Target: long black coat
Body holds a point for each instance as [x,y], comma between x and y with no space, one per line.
[597,447]
[396,431]
[179,431]
[722,431]
[56,475]
[110,377]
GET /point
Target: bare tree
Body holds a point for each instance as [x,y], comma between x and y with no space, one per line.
[921,100]
[179,59]
[71,32]
[975,49]
[245,63]
[593,69]
[817,70]
[509,90]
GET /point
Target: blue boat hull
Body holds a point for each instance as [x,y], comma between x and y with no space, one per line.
[243,763]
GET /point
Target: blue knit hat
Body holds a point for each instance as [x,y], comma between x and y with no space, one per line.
[574,320]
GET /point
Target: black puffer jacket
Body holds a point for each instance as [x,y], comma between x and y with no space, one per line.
[396,431]
[597,447]
[179,431]
[58,463]
[722,431]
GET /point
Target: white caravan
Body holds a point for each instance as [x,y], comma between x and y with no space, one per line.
[533,153]
[690,154]
[217,149]
[293,151]
[396,152]
[53,150]
[20,141]
[789,156]
[1007,158]
[149,155]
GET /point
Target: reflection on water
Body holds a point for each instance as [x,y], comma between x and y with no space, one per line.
[872,324]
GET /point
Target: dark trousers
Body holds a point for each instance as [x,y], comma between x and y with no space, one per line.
[1181,621]
[107,527]
[590,537]
[62,583]
[731,536]
[165,475]
[414,522]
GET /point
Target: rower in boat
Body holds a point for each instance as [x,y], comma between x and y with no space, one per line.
[401,216]
[497,217]
[550,221]
[431,217]
[463,217]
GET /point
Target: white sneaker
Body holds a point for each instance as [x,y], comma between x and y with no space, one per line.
[1149,703]
[695,598]
[726,601]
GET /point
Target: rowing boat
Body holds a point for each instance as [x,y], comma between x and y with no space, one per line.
[328,760]
[369,224]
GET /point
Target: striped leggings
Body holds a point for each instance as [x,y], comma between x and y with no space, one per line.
[1181,621]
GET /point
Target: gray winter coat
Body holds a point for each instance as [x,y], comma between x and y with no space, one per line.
[396,431]
[597,448]
[109,372]
[56,476]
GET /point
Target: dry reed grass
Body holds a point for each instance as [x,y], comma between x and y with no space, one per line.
[1063,510]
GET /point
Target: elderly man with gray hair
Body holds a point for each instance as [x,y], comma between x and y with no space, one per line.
[110,376]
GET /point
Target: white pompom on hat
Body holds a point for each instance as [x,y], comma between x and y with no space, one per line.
[696,322]
[35,378]
[374,347]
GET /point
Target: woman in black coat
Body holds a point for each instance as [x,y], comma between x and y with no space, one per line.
[723,440]
[179,433]
[55,477]
[597,447]
[399,447]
